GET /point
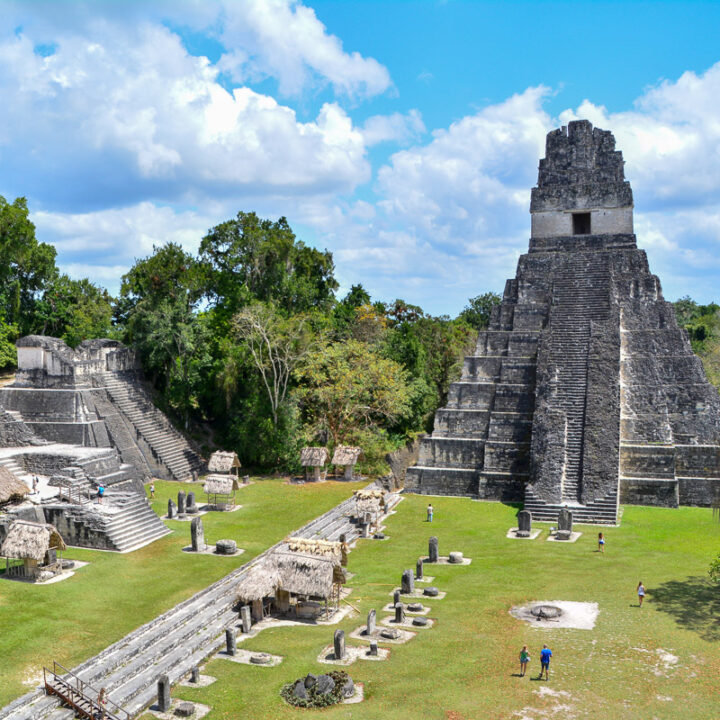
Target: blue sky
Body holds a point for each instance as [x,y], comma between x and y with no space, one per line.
[403,136]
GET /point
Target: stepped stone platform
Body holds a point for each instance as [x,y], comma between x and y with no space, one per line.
[583,391]
[94,397]
[177,640]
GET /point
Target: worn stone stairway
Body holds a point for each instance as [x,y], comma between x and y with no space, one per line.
[580,297]
[604,511]
[169,446]
[175,641]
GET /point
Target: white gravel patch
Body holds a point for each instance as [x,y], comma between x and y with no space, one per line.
[578,615]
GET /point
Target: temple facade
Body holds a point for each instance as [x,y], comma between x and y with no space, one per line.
[583,391]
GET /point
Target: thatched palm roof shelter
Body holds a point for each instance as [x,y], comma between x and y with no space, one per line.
[320,548]
[224,462]
[346,455]
[11,488]
[220,490]
[30,541]
[221,484]
[292,572]
[313,456]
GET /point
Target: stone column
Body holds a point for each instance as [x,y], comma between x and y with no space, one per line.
[433,550]
[197,535]
[339,644]
[230,642]
[348,472]
[172,509]
[190,506]
[195,674]
[396,597]
[373,648]
[181,503]
[316,473]
[163,687]
[419,570]
[246,618]
[399,613]
[524,523]
[408,583]
[371,622]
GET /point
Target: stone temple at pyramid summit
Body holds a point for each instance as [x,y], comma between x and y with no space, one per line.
[583,392]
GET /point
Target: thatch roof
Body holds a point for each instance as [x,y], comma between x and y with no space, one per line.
[313,456]
[261,581]
[11,488]
[220,484]
[346,455]
[320,548]
[297,573]
[30,540]
[223,462]
[369,493]
[305,574]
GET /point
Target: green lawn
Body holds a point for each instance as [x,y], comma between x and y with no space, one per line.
[76,618]
[463,668]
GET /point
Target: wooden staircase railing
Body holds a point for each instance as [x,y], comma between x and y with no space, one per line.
[80,696]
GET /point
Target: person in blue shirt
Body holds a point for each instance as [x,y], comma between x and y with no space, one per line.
[545,655]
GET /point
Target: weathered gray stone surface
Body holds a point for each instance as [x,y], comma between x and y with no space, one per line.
[348,688]
[408,582]
[246,618]
[582,338]
[419,569]
[396,597]
[299,690]
[455,557]
[373,648]
[94,396]
[226,547]
[431,591]
[185,709]
[524,523]
[181,503]
[325,684]
[399,613]
[172,509]
[371,622]
[230,642]
[191,506]
[565,524]
[197,535]
[433,550]
[195,674]
[163,693]
[339,644]
[310,680]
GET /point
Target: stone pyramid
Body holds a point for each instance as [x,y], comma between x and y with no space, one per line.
[584,391]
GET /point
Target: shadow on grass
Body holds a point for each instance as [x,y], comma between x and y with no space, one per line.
[693,602]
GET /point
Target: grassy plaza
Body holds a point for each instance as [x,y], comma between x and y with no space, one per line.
[661,660]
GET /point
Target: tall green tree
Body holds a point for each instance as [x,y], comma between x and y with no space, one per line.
[157,304]
[26,265]
[479,308]
[348,386]
[248,258]
[73,310]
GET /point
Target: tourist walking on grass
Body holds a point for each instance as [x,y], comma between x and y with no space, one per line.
[545,655]
[152,490]
[640,593]
[524,657]
[601,543]
[430,513]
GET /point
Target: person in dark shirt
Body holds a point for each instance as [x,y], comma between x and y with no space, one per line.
[545,655]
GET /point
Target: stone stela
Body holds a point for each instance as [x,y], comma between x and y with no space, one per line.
[583,391]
